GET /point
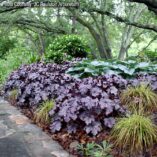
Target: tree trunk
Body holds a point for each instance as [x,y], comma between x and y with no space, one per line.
[104,51]
[42,45]
[96,36]
[73,30]
[128,32]
[100,45]
[105,38]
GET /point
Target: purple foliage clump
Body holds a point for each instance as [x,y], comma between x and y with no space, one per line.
[90,104]
[38,82]
[150,79]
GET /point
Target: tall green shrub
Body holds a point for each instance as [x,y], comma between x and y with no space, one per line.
[67,46]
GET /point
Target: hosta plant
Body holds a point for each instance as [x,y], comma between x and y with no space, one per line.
[134,134]
[42,113]
[140,98]
[127,69]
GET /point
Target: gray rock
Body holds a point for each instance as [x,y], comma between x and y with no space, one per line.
[20,138]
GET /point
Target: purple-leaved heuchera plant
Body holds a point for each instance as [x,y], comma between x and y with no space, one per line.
[90,104]
[37,82]
[150,79]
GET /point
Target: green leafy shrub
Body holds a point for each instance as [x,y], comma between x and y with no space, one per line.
[134,134]
[141,57]
[6,44]
[95,150]
[67,45]
[147,55]
[151,55]
[138,58]
[42,113]
[140,98]
[12,61]
[126,69]
[56,56]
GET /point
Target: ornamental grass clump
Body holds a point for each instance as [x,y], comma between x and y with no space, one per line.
[12,96]
[139,99]
[135,134]
[42,113]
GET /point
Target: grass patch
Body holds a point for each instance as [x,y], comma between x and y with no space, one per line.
[42,113]
[139,99]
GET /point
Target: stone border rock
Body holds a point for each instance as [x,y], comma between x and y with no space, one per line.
[16,130]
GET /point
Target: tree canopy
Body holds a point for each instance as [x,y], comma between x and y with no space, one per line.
[108,24]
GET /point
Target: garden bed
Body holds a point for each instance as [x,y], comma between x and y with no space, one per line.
[85,110]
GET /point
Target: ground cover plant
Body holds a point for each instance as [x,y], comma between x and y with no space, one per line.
[37,82]
[95,150]
[90,104]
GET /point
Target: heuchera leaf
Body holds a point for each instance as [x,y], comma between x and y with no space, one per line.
[109,122]
[93,128]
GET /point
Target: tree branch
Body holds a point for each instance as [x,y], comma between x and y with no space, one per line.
[136,37]
[151,4]
[126,21]
[151,41]
[34,24]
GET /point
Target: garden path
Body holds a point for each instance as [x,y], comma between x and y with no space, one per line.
[20,138]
